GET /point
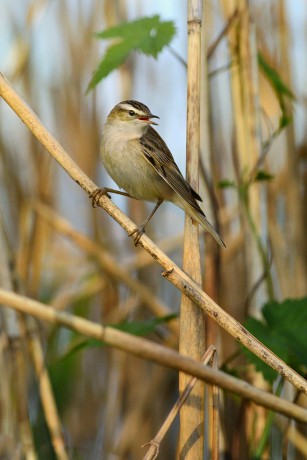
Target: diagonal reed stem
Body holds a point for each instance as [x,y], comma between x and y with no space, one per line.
[172,272]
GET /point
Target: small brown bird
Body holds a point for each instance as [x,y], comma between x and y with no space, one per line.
[139,161]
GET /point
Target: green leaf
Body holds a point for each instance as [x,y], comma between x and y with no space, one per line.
[147,35]
[62,373]
[263,175]
[113,58]
[226,183]
[273,76]
[283,330]
[145,327]
[285,120]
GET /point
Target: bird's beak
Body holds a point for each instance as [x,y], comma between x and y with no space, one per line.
[148,119]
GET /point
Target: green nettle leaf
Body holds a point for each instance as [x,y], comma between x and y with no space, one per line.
[263,175]
[283,330]
[147,35]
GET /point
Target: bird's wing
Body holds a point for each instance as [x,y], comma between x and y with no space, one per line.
[159,156]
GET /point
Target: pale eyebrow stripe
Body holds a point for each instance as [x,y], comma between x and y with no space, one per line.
[130,107]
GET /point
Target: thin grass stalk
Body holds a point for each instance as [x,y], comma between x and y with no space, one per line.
[212,256]
[256,256]
[20,387]
[295,233]
[153,451]
[31,332]
[289,430]
[136,419]
[214,415]
[192,320]
[39,232]
[46,392]
[112,406]
[15,420]
[211,280]
[244,86]
[292,435]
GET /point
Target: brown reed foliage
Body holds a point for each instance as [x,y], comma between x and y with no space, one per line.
[97,402]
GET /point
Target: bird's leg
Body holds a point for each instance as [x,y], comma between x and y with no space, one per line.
[99,192]
[141,229]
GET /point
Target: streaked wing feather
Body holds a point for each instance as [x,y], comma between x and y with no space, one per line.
[159,156]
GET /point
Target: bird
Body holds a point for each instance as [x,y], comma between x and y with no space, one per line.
[139,161]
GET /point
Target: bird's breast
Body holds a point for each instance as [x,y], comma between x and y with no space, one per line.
[126,164]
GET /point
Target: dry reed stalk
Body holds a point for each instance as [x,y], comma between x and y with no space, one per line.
[172,272]
[212,275]
[15,421]
[154,444]
[137,425]
[46,392]
[253,227]
[149,350]
[245,94]
[25,432]
[112,407]
[31,278]
[214,407]
[293,436]
[36,231]
[106,260]
[244,87]
[192,319]
[211,279]
[73,291]
[295,230]
[292,432]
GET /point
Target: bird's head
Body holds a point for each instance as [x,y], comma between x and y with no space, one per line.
[132,115]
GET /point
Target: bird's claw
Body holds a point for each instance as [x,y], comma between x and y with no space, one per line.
[97,194]
[139,231]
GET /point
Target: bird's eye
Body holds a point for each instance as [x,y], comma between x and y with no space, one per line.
[131,113]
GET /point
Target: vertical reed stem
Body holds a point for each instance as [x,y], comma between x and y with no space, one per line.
[192,322]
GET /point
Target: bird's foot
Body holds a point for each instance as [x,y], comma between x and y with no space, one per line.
[97,194]
[138,232]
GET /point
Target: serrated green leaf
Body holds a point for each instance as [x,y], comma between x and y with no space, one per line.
[147,35]
[283,330]
[226,183]
[263,175]
[113,58]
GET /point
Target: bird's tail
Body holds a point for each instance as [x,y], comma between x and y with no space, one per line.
[203,221]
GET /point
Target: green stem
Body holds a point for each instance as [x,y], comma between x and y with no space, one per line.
[260,247]
[267,429]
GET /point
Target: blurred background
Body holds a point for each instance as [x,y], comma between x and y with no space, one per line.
[253,184]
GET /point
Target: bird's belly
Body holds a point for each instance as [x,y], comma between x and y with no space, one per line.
[133,173]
